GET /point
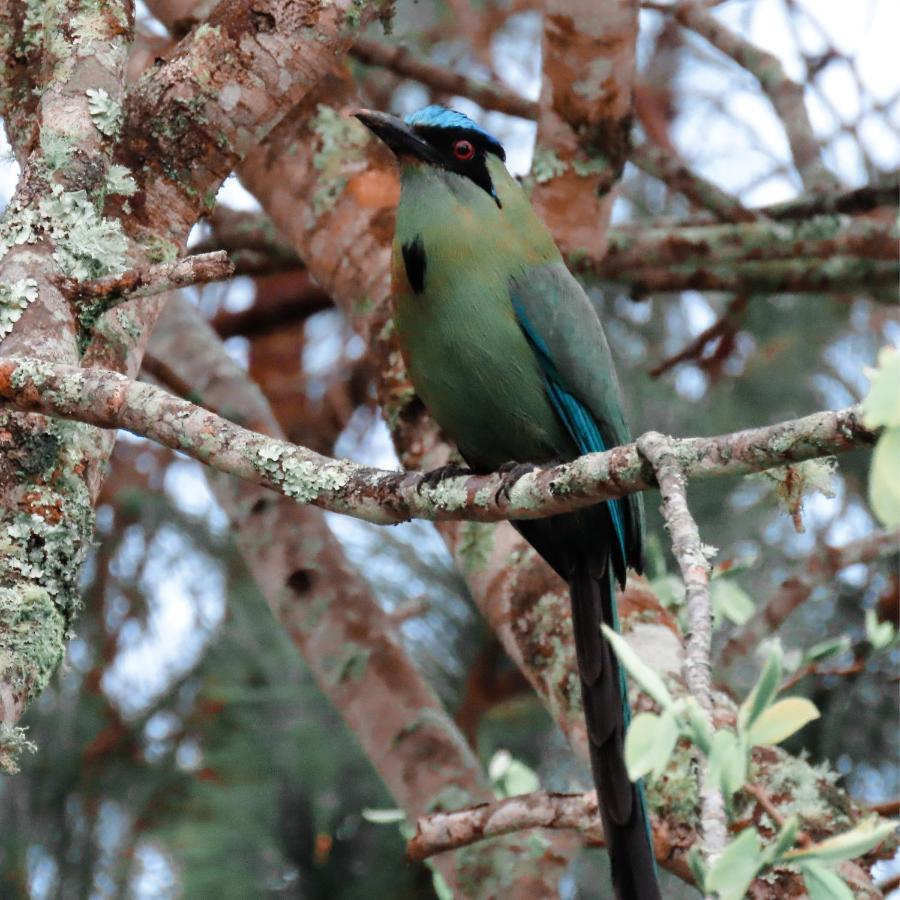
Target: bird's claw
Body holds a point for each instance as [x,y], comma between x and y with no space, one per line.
[510,473]
[433,478]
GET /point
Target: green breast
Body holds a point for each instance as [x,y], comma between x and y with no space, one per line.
[468,359]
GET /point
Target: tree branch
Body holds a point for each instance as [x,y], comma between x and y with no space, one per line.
[110,400]
[693,561]
[442,831]
[399,60]
[145,281]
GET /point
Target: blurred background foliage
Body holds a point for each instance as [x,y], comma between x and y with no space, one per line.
[185,749]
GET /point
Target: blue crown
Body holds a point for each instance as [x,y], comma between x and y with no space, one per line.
[436,116]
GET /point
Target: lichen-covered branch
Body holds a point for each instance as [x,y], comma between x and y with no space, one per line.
[52,230]
[177,135]
[442,831]
[145,281]
[839,274]
[821,237]
[795,590]
[346,638]
[110,400]
[693,561]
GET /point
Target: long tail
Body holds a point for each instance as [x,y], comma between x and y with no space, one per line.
[622,807]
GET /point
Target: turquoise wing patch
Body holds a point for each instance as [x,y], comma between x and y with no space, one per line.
[575,416]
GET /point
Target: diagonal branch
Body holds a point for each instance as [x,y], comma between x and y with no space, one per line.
[110,400]
[487,94]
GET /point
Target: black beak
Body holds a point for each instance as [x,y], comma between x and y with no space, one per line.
[396,134]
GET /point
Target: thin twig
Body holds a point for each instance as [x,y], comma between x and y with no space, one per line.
[110,400]
[818,669]
[723,325]
[489,95]
[765,801]
[693,561]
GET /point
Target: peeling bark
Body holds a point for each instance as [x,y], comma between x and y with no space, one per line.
[584,125]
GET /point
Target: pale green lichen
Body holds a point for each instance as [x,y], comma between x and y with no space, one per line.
[546,165]
[341,142]
[595,166]
[675,794]
[57,149]
[32,25]
[476,541]
[14,299]
[159,250]
[301,479]
[120,181]
[86,245]
[13,743]
[805,790]
[353,16]
[106,112]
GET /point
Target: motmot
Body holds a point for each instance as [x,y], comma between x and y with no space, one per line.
[509,356]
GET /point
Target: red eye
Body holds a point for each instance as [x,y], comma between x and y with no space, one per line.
[464,150]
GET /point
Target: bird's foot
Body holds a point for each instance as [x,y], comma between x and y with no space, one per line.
[433,478]
[510,473]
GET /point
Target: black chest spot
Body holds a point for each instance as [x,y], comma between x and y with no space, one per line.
[415,261]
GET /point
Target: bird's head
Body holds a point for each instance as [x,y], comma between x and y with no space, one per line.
[439,137]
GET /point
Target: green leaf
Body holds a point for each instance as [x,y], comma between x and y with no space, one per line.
[782,720]
[884,478]
[730,600]
[441,888]
[882,404]
[765,689]
[519,779]
[383,816]
[823,884]
[509,776]
[784,840]
[827,649]
[732,872]
[728,761]
[697,866]
[499,765]
[849,845]
[698,725]
[649,744]
[879,634]
[638,669]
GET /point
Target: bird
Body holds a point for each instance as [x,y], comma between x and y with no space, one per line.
[508,354]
